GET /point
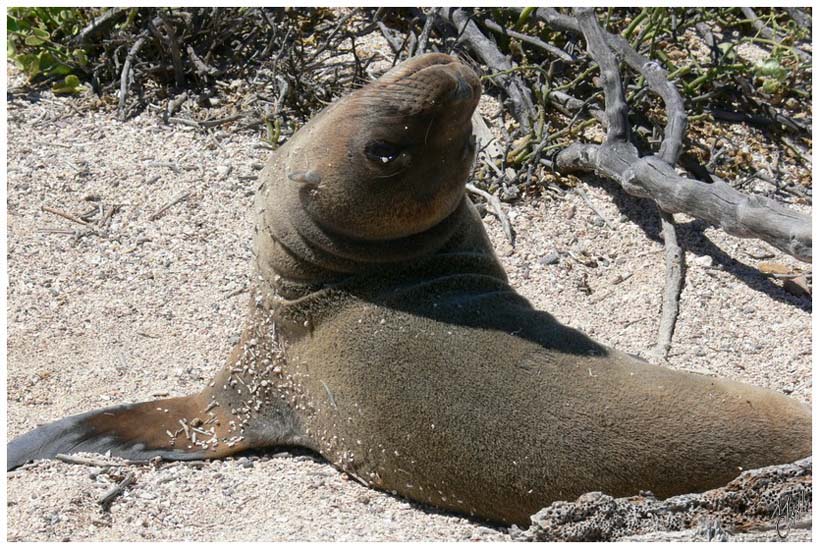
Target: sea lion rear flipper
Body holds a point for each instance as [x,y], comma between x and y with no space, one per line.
[180,428]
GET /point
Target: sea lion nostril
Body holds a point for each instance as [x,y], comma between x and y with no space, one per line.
[463,91]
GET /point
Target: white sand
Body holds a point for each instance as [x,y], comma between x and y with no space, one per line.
[153,309]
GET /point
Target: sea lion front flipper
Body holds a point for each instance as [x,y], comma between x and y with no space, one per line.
[180,428]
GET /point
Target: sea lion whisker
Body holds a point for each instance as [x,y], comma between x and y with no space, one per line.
[393,175]
[329,394]
[427,132]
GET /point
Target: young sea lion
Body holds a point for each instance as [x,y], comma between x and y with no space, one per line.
[383,335]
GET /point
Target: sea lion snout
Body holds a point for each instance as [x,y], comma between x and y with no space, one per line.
[428,85]
[464,85]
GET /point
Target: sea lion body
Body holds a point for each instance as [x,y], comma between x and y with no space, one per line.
[476,402]
[384,335]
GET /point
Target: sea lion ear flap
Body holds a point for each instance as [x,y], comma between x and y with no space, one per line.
[307,177]
[168,428]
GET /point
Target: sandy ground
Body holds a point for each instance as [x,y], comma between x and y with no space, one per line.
[153,307]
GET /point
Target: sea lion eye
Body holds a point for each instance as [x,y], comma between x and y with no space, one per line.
[382,151]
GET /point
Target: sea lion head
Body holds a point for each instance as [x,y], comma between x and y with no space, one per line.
[390,160]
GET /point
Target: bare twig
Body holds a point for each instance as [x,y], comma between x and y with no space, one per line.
[126,69]
[219,121]
[616,106]
[184,121]
[580,192]
[107,215]
[173,105]
[796,150]
[495,204]
[553,50]
[173,43]
[675,268]
[67,216]
[773,118]
[342,21]
[391,36]
[109,497]
[162,210]
[429,19]
[201,67]
[100,25]
[676,123]
[653,177]
[567,103]
[764,31]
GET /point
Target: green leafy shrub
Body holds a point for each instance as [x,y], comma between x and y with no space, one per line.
[38,41]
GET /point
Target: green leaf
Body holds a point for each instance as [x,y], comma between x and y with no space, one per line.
[80,57]
[47,61]
[12,24]
[30,63]
[32,40]
[771,68]
[770,86]
[70,85]
[42,34]
[524,16]
[59,69]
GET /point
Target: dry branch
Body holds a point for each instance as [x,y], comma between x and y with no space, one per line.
[616,107]
[567,103]
[108,498]
[670,149]
[100,25]
[675,269]
[173,43]
[519,94]
[175,201]
[421,44]
[126,69]
[554,50]
[201,67]
[495,203]
[717,203]
[599,49]
[654,177]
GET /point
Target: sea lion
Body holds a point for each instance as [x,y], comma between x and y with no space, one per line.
[383,334]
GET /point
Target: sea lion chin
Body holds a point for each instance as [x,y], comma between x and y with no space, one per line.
[383,334]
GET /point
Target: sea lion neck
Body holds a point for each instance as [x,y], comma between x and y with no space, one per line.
[299,249]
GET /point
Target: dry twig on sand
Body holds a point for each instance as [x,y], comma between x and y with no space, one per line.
[108,498]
